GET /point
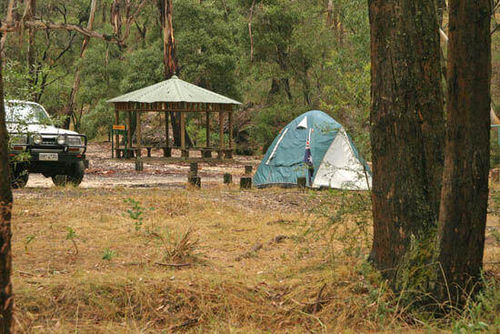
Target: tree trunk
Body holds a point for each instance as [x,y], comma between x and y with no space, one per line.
[69,109]
[464,197]
[6,297]
[170,62]
[116,18]
[30,53]
[407,131]
[169,48]
[441,7]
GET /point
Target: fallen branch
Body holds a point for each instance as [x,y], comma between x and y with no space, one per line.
[175,265]
[187,323]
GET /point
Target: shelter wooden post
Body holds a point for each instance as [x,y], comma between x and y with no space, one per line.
[167,134]
[129,132]
[183,133]
[138,134]
[207,116]
[230,120]
[117,137]
[221,133]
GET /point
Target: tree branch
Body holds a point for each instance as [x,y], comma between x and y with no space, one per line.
[43,25]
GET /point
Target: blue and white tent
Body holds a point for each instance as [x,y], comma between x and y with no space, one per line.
[314,137]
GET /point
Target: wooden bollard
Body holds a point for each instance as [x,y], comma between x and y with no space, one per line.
[139,165]
[195,181]
[193,169]
[167,152]
[245,183]
[301,182]
[228,178]
[248,170]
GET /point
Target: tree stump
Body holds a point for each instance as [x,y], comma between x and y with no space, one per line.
[206,153]
[194,181]
[193,169]
[167,152]
[248,170]
[228,178]
[139,165]
[245,183]
[301,182]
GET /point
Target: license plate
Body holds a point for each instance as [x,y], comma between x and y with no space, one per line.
[48,157]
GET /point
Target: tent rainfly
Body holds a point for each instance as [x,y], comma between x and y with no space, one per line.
[176,96]
[318,148]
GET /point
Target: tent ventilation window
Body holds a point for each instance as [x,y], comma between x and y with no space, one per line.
[303,124]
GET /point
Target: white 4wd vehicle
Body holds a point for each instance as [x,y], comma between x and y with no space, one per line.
[37,146]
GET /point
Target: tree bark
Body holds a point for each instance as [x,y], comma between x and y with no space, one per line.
[6,297]
[464,196]
[407,131]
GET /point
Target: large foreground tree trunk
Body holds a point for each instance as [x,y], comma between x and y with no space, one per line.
[464,196]
[6,298]
[407,130]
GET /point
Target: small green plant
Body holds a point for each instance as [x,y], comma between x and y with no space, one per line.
[71,235]
[135,212]
[108,254]
[29,239]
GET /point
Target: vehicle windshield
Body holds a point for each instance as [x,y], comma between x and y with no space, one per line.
[22,112]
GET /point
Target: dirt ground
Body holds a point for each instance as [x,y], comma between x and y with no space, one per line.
[105,172]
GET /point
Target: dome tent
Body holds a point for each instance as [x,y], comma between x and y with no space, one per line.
[334,160]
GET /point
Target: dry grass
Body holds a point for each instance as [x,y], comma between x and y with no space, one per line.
[308,273]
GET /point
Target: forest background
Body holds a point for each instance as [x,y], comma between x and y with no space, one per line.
[280,58]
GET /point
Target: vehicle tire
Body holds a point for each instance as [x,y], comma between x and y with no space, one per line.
[73,177]
[19,176]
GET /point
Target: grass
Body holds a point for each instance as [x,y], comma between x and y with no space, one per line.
[214,260]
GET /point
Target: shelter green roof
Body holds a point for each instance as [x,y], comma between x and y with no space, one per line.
[174,90]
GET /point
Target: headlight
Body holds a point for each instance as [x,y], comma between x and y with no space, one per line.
[19,140]
[74,141]
[61,140]
[37,139]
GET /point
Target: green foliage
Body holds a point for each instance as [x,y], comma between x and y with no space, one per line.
[108,254]
[28,240]
[299,63]
[71,236]
[135,212]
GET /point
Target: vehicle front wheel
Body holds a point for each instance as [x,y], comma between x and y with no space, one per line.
[73,177]
[19,176]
